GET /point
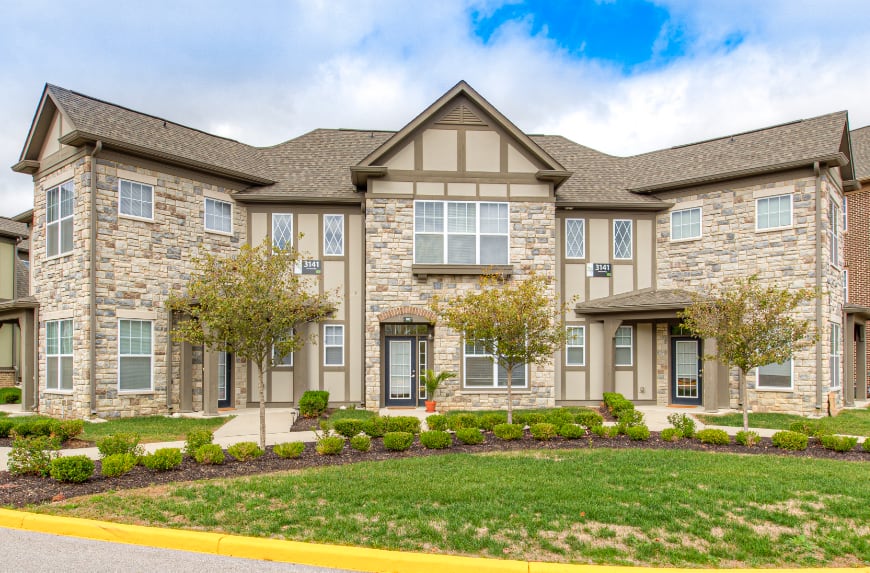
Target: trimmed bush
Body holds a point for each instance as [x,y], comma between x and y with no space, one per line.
[289,450]
[589,419]
[747,438]
[629,419]
[714,437]
[866,445]
[34,427]
[361,443]
[670,435]
[197,439]
[245,451]
[600,431]
[116,465]
[469,436]
[528,418]
[6,426]
[329,445]
[805,427]
[683,423]
[437,422]
[209,454]
[838,443]
[508,431]
[559,417]
[572,431]
[10,395]
[375,427]
[638,433]
[348,427]
[788,440]
[163,459]
[72,469]
[408,424]
[67,429]
[436,440]
[398,441]
[490,420]
[617,403]
[32,455]
[459,421]
[313,403]
[543,431]
[121,443]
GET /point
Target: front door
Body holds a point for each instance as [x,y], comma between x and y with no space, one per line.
[685,371]
[225,379]
[401,372]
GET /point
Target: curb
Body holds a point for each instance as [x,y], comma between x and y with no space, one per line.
[319,555]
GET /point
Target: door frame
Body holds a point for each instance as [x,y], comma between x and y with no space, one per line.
[673,378]
[412,397]
[227,402]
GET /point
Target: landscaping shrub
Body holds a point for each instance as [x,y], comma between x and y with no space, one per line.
[436,440]
[629,419]
[361,443]
[121,443]
[866,445]
[460,421]
[714,437]
[163,459]
[313,403]
[559,417]
[490,420]
[616,403]
[670,434]
[375,427]
[788,440]
[195,440]
[398,441]
[543,431]
[469,436]
[638,433]
[572,431]
[508,431]
[6,426]
[116,465]
[209,454]
[72,469]
[32,455]
[67,429]
[34,427]
[329,445]
[10,395]
[747,438]
[245,451]
[348,427]
[288,450]
[528,418]
[838,443]
[437,422]
[599,430]
[685,424]
[805,427]
[408,424]
[589,419]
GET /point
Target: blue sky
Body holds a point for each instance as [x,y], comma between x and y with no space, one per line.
[621,76]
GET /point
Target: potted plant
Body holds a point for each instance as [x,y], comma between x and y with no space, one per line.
[432,381]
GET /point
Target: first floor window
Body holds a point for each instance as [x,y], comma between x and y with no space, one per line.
[686,224]
[333,345]
[286,360]
[218,215]
[482,371]
[136,199]
[776,376]
[575,346]
[59,354]
[333,235]
[59,219]
[622,247]
[624,347]
[836,350]
[134,355]
[773,212]
[575,238]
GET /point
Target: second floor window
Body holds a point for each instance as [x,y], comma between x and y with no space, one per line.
[686,224]
[59,219]
[282,230]
[135,199]
[773,212]
[460,233]
[622,239]
[333,235]
[575,238]
[218,216]
[835,233]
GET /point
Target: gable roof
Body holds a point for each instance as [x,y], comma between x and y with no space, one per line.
[861,152]
[14,229]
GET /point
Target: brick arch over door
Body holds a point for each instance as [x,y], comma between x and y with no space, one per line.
[423,313]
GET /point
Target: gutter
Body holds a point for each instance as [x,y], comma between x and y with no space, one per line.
[92,296]
[819,267]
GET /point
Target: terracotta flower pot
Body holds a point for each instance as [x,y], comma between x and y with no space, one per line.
[430,405]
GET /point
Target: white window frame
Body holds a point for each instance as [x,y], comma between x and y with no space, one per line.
[60,219]
[760,386]
[845,286]
[205,215]
[326,252]
[788,225]
[630,345]
[569,345]
[495,368]
[477,233]
[834,232]
[836,356]
[630,240]
[688,211]
[326,346]
[845,214]
[282,216]
[150,356]
[283,364]
[576,253]
[150,189]
[59,355]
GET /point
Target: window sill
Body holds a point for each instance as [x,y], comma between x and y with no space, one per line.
[774,229]
[135,218]
[425,270]
[60,256]
[780,390]
[57,392]
[688,240]
[216,232]
[135,392]
[468,391]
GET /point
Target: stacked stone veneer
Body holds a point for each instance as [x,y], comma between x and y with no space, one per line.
[730,247]
[139,264]
[390,284]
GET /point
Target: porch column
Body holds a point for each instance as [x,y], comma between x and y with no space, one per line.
[849,374]
[210,382]
[27,360]
[860,392]
[610,326]
[185,375]
[710,381]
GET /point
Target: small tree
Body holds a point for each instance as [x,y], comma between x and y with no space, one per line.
[753,325]
[516,322]
[249,303]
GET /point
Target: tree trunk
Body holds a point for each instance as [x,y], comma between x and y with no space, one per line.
[510,372]
[744,398]
[262,387]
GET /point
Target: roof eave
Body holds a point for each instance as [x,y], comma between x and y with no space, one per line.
[555,176]
[616,206]
[28,166]
[360,174]
[242,198]
[632,308]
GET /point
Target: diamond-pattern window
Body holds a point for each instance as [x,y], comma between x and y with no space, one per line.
[621,239]
[575,238]
[282,230]
[333,235]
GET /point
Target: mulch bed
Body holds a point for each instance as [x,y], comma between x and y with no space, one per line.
[19,491]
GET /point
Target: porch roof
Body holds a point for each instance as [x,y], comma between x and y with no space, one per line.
[638,301]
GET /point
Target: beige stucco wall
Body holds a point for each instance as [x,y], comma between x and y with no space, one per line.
[7,270]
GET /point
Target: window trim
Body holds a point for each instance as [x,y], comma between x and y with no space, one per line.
[57,388]
[327,346]
[341,217]
[128,215]
[582,255]
[568,346]
[205,216]
[495,368]
[759,386]
[834,234]
[477,233]
[60,219]
[845,286]
[630,347]
[700,225]
[630,239]
[838,356]
[289,216]
[790,213]
[150,389]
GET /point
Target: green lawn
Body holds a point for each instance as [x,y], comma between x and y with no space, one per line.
[152,428]
[852,422]
[630,507]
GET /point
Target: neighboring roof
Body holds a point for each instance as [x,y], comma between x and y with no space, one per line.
[861,152]
[10,228]
[24,217]
[24,246]
[637,301]
[22,279]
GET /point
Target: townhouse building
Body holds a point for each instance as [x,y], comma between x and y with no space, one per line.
[857,269]
[14,288]
[124,202]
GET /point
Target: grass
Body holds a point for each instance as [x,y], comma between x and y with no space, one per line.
[152,428]
[629,507]
[852,422]
[350,413]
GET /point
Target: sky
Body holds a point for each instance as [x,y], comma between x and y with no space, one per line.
[620,76]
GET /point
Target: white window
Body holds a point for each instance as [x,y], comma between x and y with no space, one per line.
[775,376]
[282,230]
[845,286]
[622,239]
[834,232]
[575,238]
[134,355]
[575,346]
[59,202]
[218,216]
[333,235]
[836,351]
[845,214]
[59,354]
[686,224]
[481,371]
[135,199]
[460,233]
[773,212]
[623,355]
[333,345]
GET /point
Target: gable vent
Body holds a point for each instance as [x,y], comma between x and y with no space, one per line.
[461,115]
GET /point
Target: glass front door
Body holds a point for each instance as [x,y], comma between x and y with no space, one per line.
[225,379]
[686,371]
[401,372]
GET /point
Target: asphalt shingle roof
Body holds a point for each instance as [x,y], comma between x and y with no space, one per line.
[861,152]
[10,228]
[649,299]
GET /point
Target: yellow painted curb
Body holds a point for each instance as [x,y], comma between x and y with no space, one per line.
[331,556]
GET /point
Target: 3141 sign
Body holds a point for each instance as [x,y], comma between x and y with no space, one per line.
[308,267]
[599,270]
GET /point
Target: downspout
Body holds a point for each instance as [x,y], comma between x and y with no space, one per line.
[93,286]
[820,325]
